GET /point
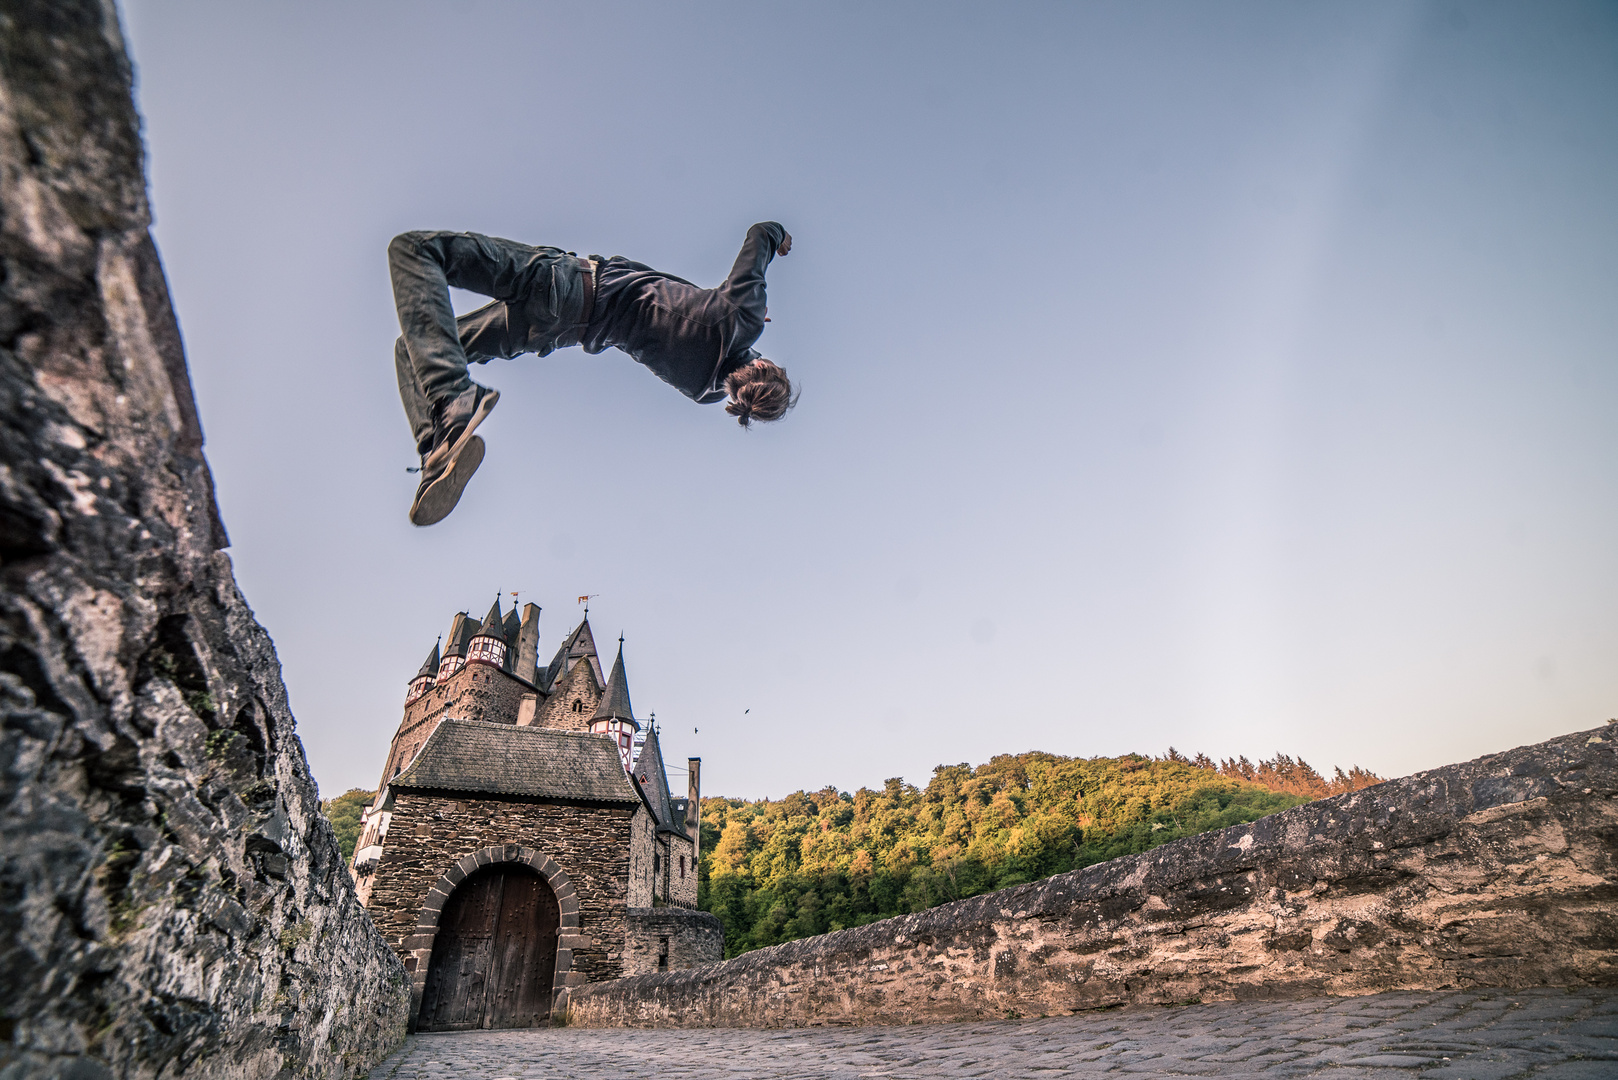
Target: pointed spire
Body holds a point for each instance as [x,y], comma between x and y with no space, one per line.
[615,701]
[430,668]
[494,624]
[652,777]
[460,631]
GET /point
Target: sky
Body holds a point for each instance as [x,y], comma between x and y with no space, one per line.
[1237,377]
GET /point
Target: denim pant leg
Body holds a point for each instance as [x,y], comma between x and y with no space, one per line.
[423,265]
[493,330]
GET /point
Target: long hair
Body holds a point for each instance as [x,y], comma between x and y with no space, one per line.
[759,390]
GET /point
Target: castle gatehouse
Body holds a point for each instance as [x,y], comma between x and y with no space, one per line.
[524,839]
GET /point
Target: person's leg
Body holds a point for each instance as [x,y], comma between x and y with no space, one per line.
[418,410]
[494,329]
[423,266]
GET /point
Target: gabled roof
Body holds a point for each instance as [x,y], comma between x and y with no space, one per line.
[615,702]
[580,643]
[579,674]
[499,759]
[512,625]
[494,624]
[431,666]
[653,779]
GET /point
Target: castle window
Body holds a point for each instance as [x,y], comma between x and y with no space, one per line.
[682,867]
[578,706]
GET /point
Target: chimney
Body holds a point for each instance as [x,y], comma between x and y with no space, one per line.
[693,805]
[527,666]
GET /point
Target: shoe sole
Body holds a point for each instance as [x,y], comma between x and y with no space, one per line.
[441,496]
[486,405]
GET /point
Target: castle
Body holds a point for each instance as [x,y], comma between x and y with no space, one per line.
[524,840]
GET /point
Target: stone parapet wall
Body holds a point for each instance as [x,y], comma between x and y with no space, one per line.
[1501,871]
[671,938]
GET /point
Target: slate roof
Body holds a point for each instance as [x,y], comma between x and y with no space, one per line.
[579,644]
[494,624]
[615,702]
[498,759]
[461,630]
[653,779]
[431,665]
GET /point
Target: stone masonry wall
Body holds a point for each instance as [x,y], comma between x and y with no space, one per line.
[577,686]
[1501,871]
[682,872]
[171,898]
[670,938]
[642,842]
[430,833]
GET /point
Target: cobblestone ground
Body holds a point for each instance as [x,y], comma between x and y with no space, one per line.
[1472,1035]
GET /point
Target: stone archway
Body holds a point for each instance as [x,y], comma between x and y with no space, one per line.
[419,947]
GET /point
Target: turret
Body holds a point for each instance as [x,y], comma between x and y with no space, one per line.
[425,678]
[488,645]
[460,630]
[614,716]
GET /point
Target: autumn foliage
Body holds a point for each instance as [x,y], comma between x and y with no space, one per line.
[775,870]
[1283,773]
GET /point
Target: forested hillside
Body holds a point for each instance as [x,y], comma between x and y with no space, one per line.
[775,870]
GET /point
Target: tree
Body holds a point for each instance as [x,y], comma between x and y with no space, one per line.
[344,812]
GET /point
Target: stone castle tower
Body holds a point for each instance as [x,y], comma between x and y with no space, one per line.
[524,838]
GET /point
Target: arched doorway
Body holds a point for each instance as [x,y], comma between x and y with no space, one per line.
[494,957]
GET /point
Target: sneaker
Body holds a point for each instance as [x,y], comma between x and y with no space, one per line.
[441,488]
[454,421]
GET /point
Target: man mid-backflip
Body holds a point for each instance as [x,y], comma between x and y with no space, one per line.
[697,340]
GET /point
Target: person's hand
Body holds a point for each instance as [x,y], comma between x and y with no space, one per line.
[786,244]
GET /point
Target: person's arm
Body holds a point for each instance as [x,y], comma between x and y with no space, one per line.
[745,285]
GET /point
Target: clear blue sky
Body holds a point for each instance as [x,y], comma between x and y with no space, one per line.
[1234,376]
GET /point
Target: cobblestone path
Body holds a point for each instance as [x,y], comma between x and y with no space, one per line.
[1470,1035]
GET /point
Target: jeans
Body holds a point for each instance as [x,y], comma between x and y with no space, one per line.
[538,302]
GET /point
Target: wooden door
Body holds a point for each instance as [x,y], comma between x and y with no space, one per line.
[524,962]
[494,957]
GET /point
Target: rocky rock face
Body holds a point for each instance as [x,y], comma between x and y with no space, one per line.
[171,899]
[1497,872]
